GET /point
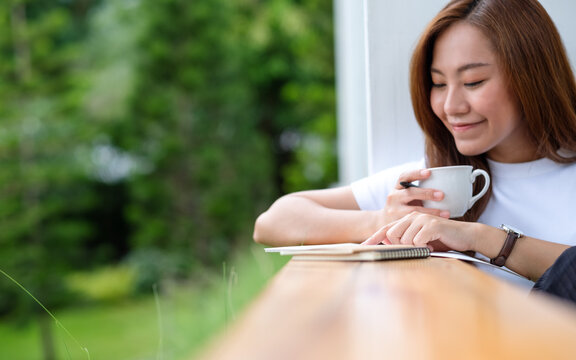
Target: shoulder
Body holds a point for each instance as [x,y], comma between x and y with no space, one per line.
[395,171]
[371,191]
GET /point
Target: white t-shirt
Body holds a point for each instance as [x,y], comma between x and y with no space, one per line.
[537,197]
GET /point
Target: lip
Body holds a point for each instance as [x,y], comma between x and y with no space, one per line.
[464,126]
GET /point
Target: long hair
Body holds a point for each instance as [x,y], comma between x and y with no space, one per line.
[533,59]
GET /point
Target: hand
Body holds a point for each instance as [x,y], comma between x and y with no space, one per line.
[437,233]
[403,201]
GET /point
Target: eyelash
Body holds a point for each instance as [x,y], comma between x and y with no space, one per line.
[474,84]
[468,85]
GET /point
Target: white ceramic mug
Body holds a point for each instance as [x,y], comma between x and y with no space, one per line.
[456,182]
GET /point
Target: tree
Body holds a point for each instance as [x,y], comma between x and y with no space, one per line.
[190,116]
[293,74]
[43,187]
[223,89]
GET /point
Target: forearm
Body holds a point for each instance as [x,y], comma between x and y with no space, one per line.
[530,257]
[295,220]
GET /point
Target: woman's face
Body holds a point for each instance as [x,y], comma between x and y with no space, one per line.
[471,97]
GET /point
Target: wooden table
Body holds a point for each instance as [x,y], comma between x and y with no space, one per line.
[405,309]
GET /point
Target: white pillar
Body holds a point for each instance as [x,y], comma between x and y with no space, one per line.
[351,90]
[392,33]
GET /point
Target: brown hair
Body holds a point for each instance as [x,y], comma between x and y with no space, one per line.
[534,61]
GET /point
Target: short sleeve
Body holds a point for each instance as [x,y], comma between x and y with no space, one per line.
[371,192]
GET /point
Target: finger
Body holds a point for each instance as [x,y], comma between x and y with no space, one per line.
[411,176]
[407,195]
[429,211]
[407,210]
[417,193]
[425,238]
[378,237]
[410,234]
[432,232]
[411,195]
[395,233]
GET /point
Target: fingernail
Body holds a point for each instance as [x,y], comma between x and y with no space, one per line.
[445,214]
[437,195]
[424,172]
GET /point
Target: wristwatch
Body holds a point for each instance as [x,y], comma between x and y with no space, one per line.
[512,235]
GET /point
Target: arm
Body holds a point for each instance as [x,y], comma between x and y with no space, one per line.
[316,217]
[530,257]
[333,215]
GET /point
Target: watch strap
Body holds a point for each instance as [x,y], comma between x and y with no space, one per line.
[511,237]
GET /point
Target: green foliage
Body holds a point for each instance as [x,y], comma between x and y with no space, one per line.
[189,315]
[153,131]
[222,80]
[152,267]
[295,85]
[197,127]
[108,284]
[44,191]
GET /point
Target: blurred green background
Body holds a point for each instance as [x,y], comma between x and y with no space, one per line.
[139,140]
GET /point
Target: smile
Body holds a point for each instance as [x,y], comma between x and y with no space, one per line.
[461,127]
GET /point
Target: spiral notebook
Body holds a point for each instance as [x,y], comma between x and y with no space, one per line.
[352,252]
[357,252]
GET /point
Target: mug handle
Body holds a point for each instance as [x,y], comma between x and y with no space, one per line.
[473,177]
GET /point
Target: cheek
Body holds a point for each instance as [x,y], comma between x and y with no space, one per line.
[437,103]
[501,108]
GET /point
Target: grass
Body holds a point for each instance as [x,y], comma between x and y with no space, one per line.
[176,323]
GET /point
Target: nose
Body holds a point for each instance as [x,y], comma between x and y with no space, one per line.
[455,102]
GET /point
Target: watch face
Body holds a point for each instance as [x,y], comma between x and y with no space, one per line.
[509,228]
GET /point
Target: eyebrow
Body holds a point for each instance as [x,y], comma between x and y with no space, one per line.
[463,67]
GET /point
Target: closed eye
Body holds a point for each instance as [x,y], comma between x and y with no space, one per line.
[474,84]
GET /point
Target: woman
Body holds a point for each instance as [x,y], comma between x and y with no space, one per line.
[491,87]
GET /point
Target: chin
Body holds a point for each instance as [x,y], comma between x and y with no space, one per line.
[473,153]
[470,151]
